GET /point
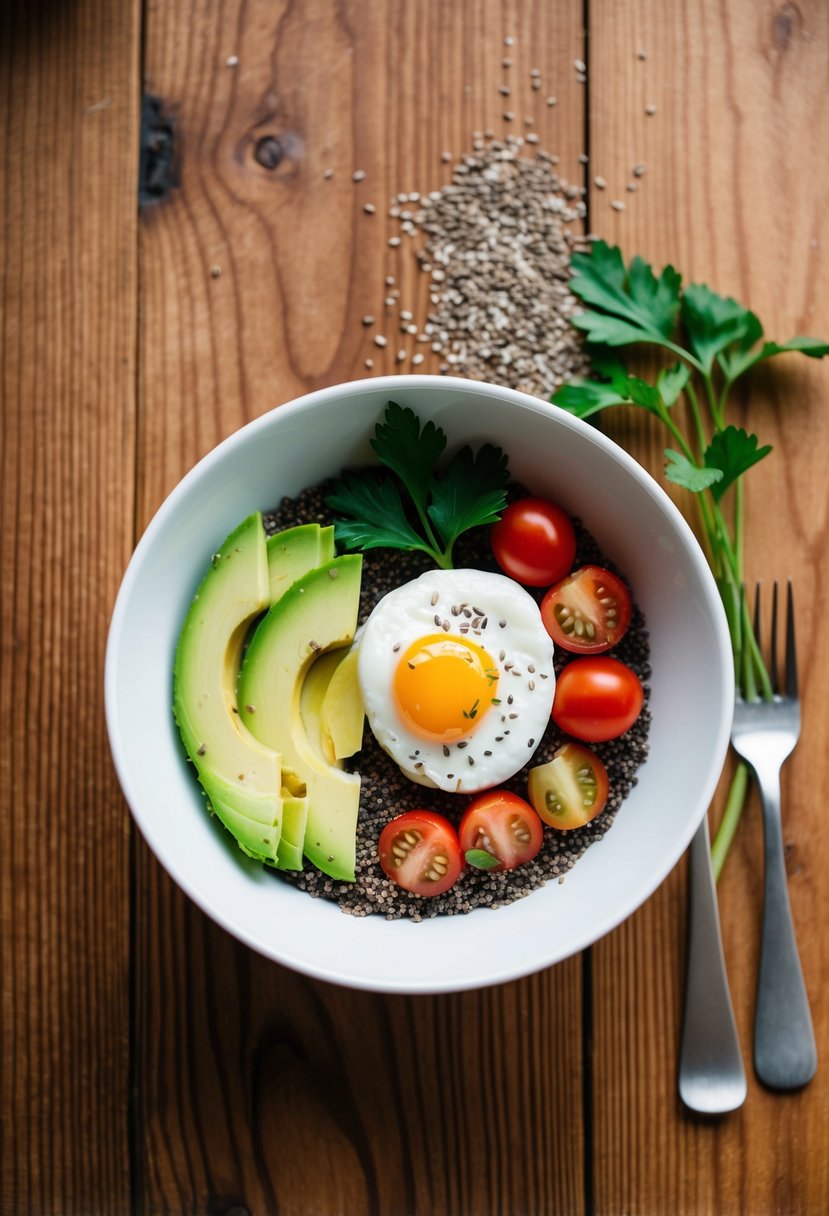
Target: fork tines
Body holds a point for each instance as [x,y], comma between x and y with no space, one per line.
[790,660]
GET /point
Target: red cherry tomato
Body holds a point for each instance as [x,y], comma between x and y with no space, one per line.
[534,542]
[597,698]
[504,826]
[587,612]
[571,789]
[420,851]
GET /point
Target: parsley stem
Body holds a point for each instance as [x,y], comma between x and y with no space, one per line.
[684,446]
[431,539]
[716,413]
[726,389]
[739,524]
[726,545]
[684,355]
[734,803]
[696,415]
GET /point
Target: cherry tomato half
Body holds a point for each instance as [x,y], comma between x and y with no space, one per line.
[571,789]
[597,698]
[587,612]
[420,851]
[504,826]
[534,542]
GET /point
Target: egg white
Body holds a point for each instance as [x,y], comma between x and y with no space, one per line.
[494,612]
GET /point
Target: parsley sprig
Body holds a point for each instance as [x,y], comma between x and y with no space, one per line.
[709,343]
[439,506]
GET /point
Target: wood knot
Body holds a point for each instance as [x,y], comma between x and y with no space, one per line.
[268,152]
[785,20]
[158,172]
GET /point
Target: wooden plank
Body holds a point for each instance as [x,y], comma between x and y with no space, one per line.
[735,194]
[68,170]
[258,1090]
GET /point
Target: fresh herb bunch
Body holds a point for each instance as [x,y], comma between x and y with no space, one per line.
[713,341]
[468,492]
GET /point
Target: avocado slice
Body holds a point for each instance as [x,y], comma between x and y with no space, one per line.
[293,552]
[312,697]
[342,713]
[258,840]
[294,821]
[235,589]
[319,612]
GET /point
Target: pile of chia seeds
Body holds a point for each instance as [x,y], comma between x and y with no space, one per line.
[495,243]
[386,792]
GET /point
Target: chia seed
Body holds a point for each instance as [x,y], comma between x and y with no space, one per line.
[386,792]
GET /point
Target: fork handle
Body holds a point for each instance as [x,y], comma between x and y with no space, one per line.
[712,1079]
[785,1053]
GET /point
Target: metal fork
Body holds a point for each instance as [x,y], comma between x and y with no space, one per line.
[764,733]
[712,1079]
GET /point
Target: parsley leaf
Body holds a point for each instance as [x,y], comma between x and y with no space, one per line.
[735,362]
[615,387]
[629,305]
[714,322]
[470,493]
[730,453]
[683,472]
[479,859]
[586,397]
[671,381]
[815,348]
[408,451]
[372,513]
[378,518]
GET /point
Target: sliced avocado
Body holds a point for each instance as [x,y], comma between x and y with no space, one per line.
[259,840]
[294,821]
[312,696]
[248,803]
[234,590]
[293,552]
[317,613]
[342,713]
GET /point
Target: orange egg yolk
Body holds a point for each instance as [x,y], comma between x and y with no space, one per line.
[444,686]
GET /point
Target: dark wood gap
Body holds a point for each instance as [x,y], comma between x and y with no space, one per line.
[587,955]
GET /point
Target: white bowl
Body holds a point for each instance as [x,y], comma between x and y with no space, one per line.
[635,523]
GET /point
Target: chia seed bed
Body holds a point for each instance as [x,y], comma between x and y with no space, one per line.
[386,792]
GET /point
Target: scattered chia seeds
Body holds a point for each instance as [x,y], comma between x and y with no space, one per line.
[386,792]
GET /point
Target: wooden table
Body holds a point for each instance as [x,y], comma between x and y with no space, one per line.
[150,1063]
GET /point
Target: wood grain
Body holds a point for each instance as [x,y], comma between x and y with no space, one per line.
[736,195]
[148,1062]
[68,154]
[258,1090]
